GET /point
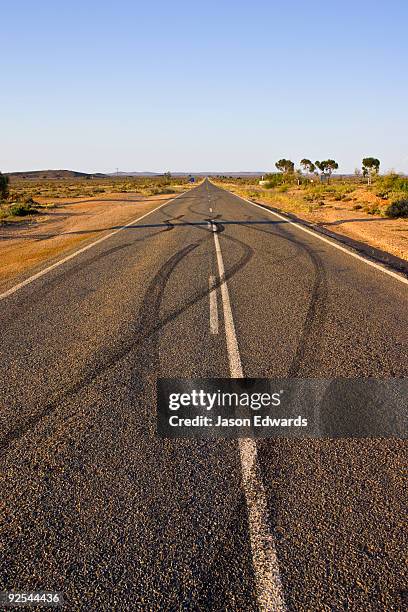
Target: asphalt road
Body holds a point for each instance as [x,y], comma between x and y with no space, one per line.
[95,505]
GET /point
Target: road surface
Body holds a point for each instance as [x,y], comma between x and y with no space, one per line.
[95,505]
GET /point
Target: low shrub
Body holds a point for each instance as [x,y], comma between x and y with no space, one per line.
[21,209]
[4,186]
[371,209]
[26,207]
[397,208]
[275,180]
[253,195]
[29,201]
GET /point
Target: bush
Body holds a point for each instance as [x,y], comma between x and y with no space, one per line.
[274,180]
[29,200]
[386,185]
[166,190]
[21,209]
[4,190]
[398,208]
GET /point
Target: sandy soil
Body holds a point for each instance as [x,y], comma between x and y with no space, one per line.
[24,246]
[390,235]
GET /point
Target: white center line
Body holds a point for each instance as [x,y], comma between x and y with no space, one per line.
[213,305]
[232,344]
[210,209]
[264,558]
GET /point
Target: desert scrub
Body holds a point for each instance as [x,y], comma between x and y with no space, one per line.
[371,209]
[166,190]
[17,209]
[252,195]
[3,211]
[78,187]
[273,180]
[22,209]
[397,208]
[389,185]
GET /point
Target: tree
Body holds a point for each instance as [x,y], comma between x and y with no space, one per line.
[308,166]
[327,167]
[4,182]
[371,166]
[285,165]
[331,166]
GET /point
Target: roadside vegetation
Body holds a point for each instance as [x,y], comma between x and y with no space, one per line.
[22,197]
[314,186]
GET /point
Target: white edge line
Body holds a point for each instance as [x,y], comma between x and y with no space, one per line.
[29,280]
[323,239]
[264,557]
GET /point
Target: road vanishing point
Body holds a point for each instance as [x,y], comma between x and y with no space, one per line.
[95,505]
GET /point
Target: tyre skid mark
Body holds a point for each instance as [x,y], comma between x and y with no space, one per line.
[148,325]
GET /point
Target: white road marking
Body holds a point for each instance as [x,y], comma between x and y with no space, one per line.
[402,279]
[264,558]
[210,209]
[232,344]
[213,305]
[31,279]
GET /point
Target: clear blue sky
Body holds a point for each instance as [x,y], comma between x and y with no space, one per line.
[181,85]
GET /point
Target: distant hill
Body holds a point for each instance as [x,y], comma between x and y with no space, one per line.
[255,173]
[134,174]
[54,174]
[187,173]
[72,174]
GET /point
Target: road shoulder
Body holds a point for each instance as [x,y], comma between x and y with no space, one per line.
[25,248]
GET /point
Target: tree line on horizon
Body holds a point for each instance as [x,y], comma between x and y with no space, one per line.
[370,167]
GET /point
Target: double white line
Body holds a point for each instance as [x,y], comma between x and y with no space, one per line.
[264,558]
